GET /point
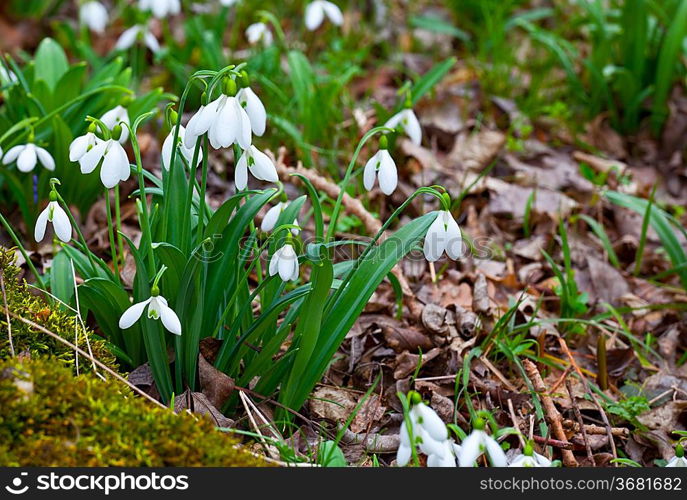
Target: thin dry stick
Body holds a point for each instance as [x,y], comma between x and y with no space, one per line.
[266,446]
[583,379]
[88,356]
[551,411]
[7,314]
[516,424]
[578,416]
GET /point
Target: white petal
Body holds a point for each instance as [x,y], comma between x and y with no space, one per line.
[45,158]
[388,176]
[428,445]
[495,453]
[454,240]
[470,449]
[431,422]
[288,263]
[403,455]
[263,168]
[412,126]
[370,172]
[13,153]
[241,172]
[274,263]
[151,42]
[111,172]
[132,314]
[127,39]
[41,224]
[271,217]
[314,15]
[224,128]
[435,240]
[393,122]
[27,159]
[333,13]
[255,110]
[90,160]
[243,132]
[61,223]
[193,128]
[79,147]
[169,319]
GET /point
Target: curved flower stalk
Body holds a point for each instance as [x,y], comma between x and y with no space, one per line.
[28,156]
[224,120]
[285,262]
[259,33]
[94,15]
[679,459]
[56,215]
[383,168]
[157,309]
[408,123]
[117,116]
[137,32]
[187,153]
[259,164]
[316,11]
[443,236]
[160,8]
[530,458]
[479,443]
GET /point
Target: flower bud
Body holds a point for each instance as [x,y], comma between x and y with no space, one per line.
[383,142]
[230,87]
[244,79]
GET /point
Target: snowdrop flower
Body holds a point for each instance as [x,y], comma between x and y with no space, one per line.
[228,3]
[115,165]
[27,156]
[443,236]
[285,262]
[117,116]
[430,435]
[167,148]
[225,121]
[317,10]
[160,8]
[447,457]
[254,109]
[55,214]
[259,32]
[272,215]
[157,309]
[259,164]
[94,15]
[408,122]
[381,166]
[530,458]
[679,459]
[82,145]
[479,443]
[7,77]
[127,39]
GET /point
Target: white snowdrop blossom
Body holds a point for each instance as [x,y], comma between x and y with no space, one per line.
[430,435]
[477,444]
[115,166]
[160,8]
[443,236]
[285,262]
[383,168]
[530,460]
[27,156]
[272,215]
[167,148]
[117,116]
[679,459]
[7,77]
[56,215]
[157,309]
[254,109]
[225,121]
[409,123]
[127,39]
[94,15]
[82,145]
[316,11]
[259,33]
[259,164]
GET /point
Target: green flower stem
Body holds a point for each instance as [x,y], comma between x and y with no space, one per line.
[78,232]
[188,203]
[23,251]
[118,218]
[202,204]
[147,231]
[110,232]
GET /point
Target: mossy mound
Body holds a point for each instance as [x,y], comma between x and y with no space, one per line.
[48,417]
[26,339]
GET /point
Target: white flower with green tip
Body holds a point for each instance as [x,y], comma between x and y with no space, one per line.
[157,309]
[316,11]
[28,156]
[408,122]
[285,263]
[167,148]
[443,236]
[117,116]
[94,15]
[59,219]
[259,33]
[479,443]
[381,167]
[258,163]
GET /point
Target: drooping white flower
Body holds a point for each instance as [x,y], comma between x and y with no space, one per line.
[447,456]
[679,459]
[443,236]
[272,215]
[115,166]
[167,148]
[408,122]
[316,11]
[94,15]
[7,77]
[477,444]
[431,437]
[533,460]
[160,8]
[157,309]
[259,164]
[285,262]
[55,214]
[225,121]
[254,109]
[259,32]
[381,166]
[82,145]
[27,156]
[127,39]
[117,116]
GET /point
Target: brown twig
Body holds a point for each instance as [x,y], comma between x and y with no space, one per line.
[552,413]
[578,416]
[545,441]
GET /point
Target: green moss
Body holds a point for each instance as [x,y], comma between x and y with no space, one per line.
[48,417]
[21,301]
